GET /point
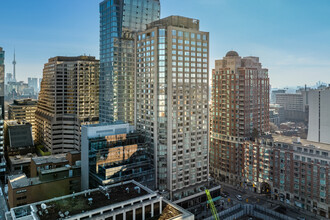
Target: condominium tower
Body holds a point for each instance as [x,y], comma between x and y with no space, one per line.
[119,21]
[68,98]
[240,110]
[172,102]
[2,113]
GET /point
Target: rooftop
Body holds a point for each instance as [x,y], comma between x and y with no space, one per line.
[21,159]
[20,102]
[77,58]
[18,181]
[57,158]
[176,21]
[97,202]
[304,142]
[232,54]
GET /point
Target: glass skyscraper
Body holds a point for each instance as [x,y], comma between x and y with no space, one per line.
[119,21]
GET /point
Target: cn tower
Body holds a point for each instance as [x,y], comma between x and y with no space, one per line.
[14,63]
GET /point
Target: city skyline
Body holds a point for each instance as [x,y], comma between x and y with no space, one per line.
[291,42]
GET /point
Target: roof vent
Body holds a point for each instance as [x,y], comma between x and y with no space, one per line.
[90,201]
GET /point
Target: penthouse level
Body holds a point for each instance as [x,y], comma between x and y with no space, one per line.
[126,200]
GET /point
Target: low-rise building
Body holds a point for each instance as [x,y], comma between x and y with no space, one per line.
[18,138]
[249,211]
[126,200]
[292,170]
[49,177]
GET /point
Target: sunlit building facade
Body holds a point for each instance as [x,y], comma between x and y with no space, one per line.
[240,110]
[119,21]
[24,110]
[172,102]
[68,98]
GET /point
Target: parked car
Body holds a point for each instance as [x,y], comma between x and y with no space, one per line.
[239,197]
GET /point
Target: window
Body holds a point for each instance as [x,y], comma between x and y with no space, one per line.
[174,32]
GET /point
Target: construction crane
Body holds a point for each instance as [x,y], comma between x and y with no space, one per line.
[214,211]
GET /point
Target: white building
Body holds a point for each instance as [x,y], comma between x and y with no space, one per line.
[319,116]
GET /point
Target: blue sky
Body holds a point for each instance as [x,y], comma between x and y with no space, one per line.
[292,38]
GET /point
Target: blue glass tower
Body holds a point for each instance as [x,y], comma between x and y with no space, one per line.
[119,21]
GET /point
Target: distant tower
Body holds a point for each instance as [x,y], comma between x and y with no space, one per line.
[14,63]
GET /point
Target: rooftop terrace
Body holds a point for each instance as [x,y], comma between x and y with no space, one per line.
[83,202]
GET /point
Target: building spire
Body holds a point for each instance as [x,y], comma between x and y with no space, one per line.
[14,63]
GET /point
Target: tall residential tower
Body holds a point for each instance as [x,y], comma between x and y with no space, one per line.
[68,98]
[172,102]
[240,111]
[119,21]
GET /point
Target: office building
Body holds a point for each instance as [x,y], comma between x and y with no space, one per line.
[33,83]
[278,110]
[50,177]
[126,200]
[18,138]
[172,102]
[24,111]
[319,115]
[2,113]
[273,94]
[119,21]
[240,110]
[113,153]
[293,104]
[68,98]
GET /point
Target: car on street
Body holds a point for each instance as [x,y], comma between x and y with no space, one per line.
[239,197]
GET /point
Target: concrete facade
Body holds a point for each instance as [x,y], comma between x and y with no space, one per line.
[319,115]
[68,99]
[24,110]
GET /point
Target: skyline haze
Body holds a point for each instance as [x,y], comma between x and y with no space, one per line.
[291,39]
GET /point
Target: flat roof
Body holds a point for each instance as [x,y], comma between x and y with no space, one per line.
[56,158]
[21,159]
[304,142]
[18,181]
[75,204]
[99,203]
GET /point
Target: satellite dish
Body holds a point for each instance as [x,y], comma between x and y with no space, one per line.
[43,206]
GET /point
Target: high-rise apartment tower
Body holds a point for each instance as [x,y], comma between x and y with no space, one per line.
[172,102]
[119,21]
[240,110]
